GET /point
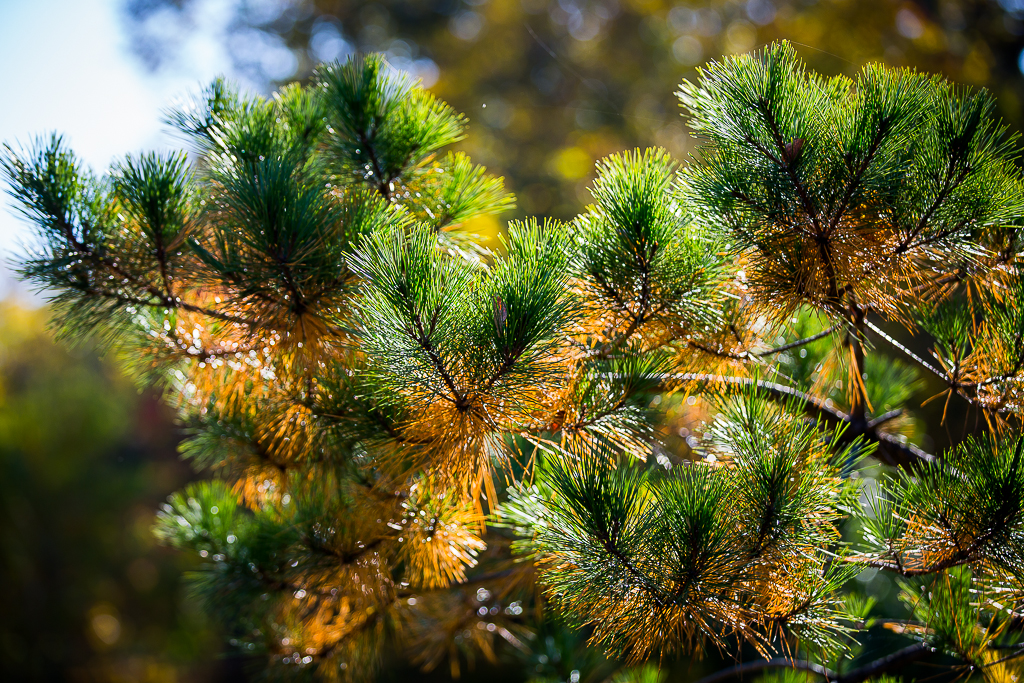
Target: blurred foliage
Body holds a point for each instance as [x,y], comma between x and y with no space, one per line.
[88,595]
[550,86]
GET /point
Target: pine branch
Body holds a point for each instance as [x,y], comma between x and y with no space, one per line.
[746,355]
[787,164]
[161,257]
[958,478]
[953,381]
[909,654]
[328,209]
[638,318]
[382,184]
[162,298]
[905,351]
[779,663]
[896,452]
[1018,652]
[949,185]
[298,302]
[643,581]
[703,348]
[858,177]
[800,342]
[885,417]
[420,336]
[161,302]
[855,338]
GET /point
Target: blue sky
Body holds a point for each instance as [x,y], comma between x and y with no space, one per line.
[66,68]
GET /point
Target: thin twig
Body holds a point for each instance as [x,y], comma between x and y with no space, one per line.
[799,342]
[885,417]
[896,659]
[897,452]
[903,349]
[778,663]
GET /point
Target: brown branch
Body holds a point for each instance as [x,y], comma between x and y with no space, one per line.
[892,449]
[718,354]
[905,452]
[421,338]
[897,659]
[805,199]
[163,299]
[859,176]
[778,663]
[799,342]
[885,417]
[905,351]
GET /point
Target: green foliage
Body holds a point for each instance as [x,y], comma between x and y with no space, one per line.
[201,518]
[644,674]
[689,552]
[966,510]
[949,612]
[156,193]
[462,333]
[638,238]
[381,124]
[464,191]
[357,371]
[868,170]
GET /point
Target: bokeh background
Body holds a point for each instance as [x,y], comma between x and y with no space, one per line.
[549,87]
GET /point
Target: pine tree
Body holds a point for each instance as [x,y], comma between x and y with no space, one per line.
[416,443]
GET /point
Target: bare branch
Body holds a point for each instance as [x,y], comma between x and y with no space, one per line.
[897,659]
[799,342]
[907,352]
[778,663]
[892,449]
